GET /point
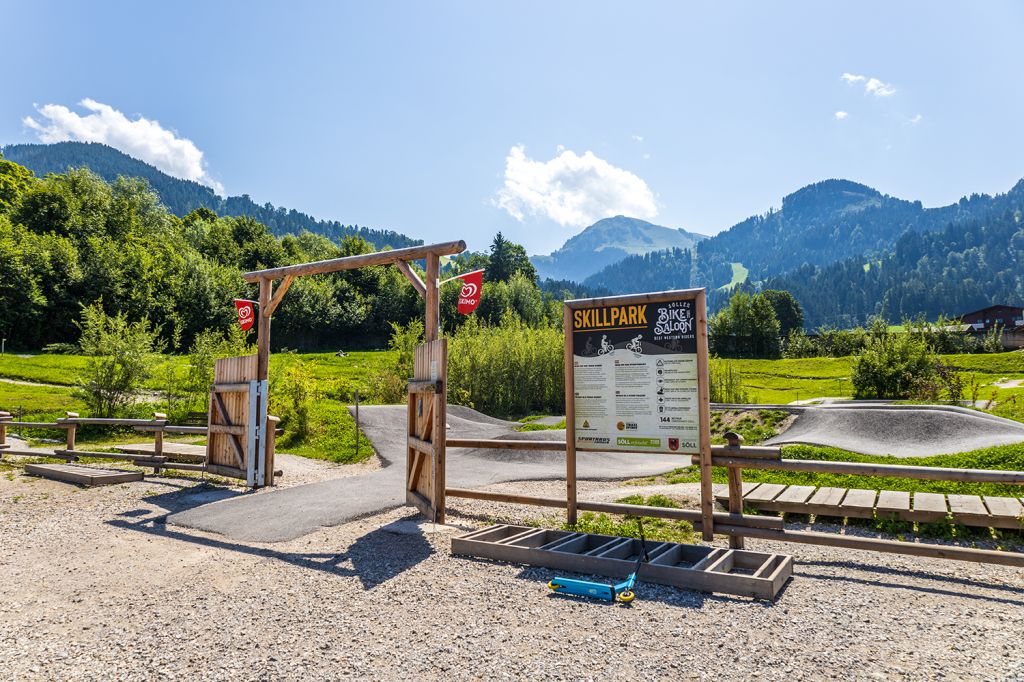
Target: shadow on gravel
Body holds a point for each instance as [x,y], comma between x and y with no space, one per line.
[373,558]
[944,585]
[187,494]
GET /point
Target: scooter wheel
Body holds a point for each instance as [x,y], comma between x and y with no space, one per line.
[627,596]
[553,585]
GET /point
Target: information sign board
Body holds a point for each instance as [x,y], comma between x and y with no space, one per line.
[639,372]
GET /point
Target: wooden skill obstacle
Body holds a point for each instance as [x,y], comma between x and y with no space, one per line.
[707,569]
[160,456]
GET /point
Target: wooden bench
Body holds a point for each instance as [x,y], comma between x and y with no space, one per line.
[967,510]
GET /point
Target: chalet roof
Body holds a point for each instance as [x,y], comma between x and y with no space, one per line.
[990,307]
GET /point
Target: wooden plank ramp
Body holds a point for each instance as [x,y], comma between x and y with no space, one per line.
[174,452]
[967,510]
[82,475]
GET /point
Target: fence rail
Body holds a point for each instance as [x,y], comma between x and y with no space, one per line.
[737,525]
[158,426]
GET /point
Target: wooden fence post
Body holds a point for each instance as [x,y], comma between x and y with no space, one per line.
[4,418]
[72,427]
[158,439]
[734,441]
[570,421]
[268,464]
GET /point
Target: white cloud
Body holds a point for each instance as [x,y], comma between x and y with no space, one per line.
[637,138]
[841,115]
[142,138]
[571,189]
[647,156]
[878,88]
[914,121]
[872,86]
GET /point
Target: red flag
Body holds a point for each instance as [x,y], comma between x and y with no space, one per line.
[246,316]
[472,285]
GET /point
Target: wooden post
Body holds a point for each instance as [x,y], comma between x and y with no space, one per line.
[4,418]
[735,487]
[432,322]
[707,497]
[70,443]
[268,471]
[439,436]
[158,439]
[570,420]
[263,332]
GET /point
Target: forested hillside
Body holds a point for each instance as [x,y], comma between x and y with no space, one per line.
[819,225]
[181,197]
[71,239]
[908,266]
[966,266]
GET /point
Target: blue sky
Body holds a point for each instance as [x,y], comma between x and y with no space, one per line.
[458,119]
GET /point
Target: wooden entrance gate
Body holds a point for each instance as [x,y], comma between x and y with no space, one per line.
[425,460]
[425,484]
[240,442]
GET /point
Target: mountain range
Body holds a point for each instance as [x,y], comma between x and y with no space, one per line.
[182,197]
[845,250]
[608,241]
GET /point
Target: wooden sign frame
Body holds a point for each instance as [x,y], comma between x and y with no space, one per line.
[626,305]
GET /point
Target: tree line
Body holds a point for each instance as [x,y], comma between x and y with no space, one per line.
[71,240]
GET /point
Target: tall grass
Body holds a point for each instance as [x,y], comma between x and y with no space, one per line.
[507,370]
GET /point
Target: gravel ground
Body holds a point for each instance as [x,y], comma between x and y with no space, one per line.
[94,586]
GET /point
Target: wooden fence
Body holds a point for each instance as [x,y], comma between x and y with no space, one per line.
[737,525]
[157,426]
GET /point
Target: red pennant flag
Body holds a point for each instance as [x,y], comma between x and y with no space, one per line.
[246,315]
[472,285]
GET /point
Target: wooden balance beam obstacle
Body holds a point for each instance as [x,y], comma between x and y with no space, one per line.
[160,457]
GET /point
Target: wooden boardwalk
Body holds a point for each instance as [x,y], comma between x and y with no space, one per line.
[968,510]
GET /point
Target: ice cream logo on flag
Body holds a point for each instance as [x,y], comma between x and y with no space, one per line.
[472,286]
[246,314]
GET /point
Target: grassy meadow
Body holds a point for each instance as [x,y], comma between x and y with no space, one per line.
[334,381]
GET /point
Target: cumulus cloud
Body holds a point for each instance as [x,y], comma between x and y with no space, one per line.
[571,189]
[142,138]
[914,121]
[872,86]
[638,138]
[841,115]
[878,88]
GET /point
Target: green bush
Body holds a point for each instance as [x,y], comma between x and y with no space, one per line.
[119,359]
[892,365]
[293,390]
[507,370]
[389,387]
[725,382]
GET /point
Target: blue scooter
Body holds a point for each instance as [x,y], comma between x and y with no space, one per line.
[622,592]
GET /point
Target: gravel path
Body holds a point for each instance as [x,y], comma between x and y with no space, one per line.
[94,586]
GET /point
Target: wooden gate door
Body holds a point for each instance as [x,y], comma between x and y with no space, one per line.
[428,392]
[237,442]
